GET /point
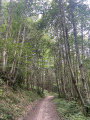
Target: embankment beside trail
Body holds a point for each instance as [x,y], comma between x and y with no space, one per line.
[13,102]
[69,110]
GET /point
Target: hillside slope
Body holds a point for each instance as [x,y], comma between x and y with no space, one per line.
[13,102]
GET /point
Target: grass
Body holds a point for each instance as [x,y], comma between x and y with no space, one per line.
[12,102]
[69,110]
[46,93]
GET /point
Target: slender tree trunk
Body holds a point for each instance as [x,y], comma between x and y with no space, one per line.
[18,62]
[78,54]
[88,45]
[61,61]
[14,61]
[55,66]
[66,48]
[82,23]
[27,78]
[0,12]
[82,42]
[7,33]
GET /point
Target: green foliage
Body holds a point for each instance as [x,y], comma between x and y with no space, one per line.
[34,46]
[70,110]
[12,103]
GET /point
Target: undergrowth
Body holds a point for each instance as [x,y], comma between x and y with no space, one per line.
[69,110]
[13,102]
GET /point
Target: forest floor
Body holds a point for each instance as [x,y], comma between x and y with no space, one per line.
[21,104]
[16,103]
[69,110]
[44,110]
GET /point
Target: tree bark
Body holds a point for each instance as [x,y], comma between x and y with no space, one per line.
[0,11]
[78,54]
[67,56]
[7,33]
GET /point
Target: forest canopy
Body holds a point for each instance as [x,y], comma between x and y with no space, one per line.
[45,44]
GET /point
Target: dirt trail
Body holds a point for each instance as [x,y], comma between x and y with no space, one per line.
[45,110]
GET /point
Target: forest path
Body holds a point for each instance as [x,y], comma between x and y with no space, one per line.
[44,110]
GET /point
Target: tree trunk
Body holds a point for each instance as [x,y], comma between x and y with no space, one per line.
[7,33]
[78,54]
[14,61]
[66,48]
[18,62]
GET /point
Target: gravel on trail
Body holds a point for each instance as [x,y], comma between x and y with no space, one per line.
[44,110]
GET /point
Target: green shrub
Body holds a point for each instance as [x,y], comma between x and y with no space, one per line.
[69,110]
[14,102]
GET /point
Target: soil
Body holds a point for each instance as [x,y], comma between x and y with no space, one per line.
[44,110]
